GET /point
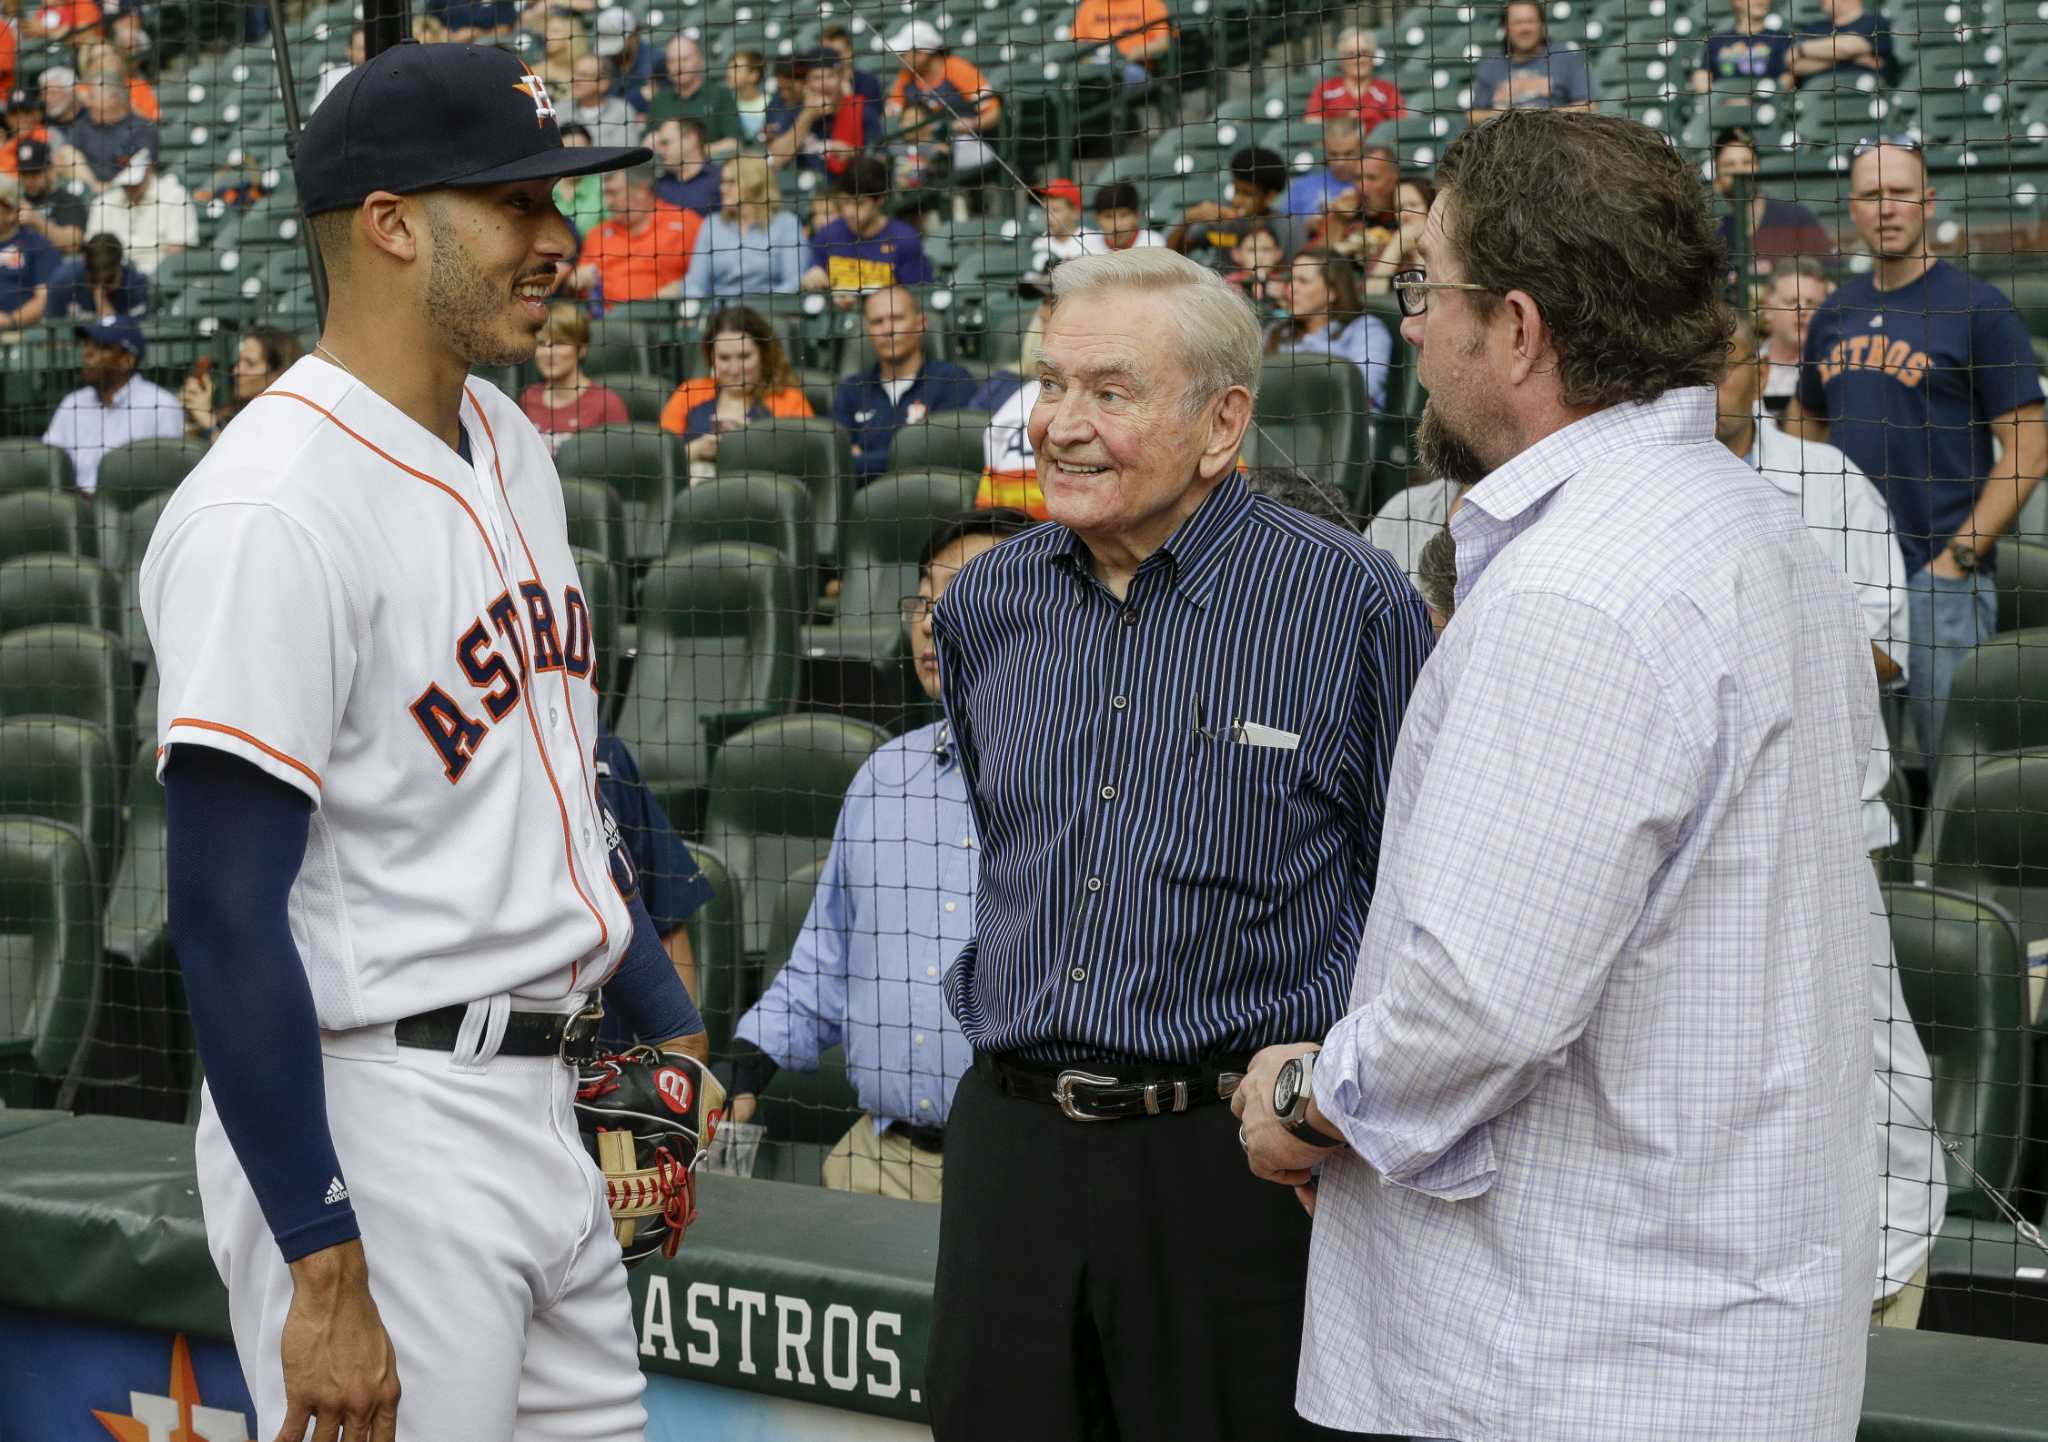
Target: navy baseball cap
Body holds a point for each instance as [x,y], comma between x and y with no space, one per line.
[419,117]
[114,330]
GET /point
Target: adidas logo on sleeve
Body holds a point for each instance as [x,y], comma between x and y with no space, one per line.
[336,1192]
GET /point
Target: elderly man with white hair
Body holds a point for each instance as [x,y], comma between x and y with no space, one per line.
[1354,89]
[1175,709]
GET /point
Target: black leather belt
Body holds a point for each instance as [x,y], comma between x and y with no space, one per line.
[925,1139]
[572,1037]
[1105,1092]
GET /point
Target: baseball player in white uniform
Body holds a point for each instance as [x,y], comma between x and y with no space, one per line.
[394,891]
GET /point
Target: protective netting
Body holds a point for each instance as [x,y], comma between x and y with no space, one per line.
[795,351]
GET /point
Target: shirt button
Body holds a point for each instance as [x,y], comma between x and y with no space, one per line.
[586,836]
[968,842]
[1109,793]
[554,718]
[931,971]
[1118,702]
[1079,973]
[924,1104]
[1130,617]
[952,906]
[920,1038]
[1095,883]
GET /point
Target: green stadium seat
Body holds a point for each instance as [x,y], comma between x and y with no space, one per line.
[138,901]
[643,394]
[723,980]
[814,451]
[31,465]
[68,671]
[717,644]
[789,905]
[139,525]
[809,1110]
[641,465]
[48,590]
[1992,843]
[51,953]
[597,519]
[47,523]
[2022,578]
[1997,703]
[132,474]
[776,788]
[1313,414]
[619,347]
[600,580]
[892,520]
[758,507]
[946,441]
[1963,973]
[56,767]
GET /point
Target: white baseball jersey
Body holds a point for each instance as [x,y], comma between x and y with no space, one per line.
[335,597]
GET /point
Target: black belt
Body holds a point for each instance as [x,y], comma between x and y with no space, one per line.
[925,1139]
[570,1036]
[1102,1092]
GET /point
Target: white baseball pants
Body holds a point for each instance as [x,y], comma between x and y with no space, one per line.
[490,1248]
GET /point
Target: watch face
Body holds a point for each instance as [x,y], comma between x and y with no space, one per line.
[1286,1087]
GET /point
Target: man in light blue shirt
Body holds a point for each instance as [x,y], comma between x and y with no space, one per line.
[893,908]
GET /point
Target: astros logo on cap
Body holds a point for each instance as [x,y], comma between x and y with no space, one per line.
[537,90]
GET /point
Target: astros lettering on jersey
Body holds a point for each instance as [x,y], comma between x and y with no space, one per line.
[404,639]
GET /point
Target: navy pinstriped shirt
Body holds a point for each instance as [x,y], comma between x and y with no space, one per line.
[1151,889]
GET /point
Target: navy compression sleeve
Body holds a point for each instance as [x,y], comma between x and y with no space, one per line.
[236,839]
[646,990]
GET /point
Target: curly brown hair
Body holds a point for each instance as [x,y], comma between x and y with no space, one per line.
[1601,222]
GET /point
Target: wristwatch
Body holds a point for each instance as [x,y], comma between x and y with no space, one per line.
[1291,1098]
[1966,558]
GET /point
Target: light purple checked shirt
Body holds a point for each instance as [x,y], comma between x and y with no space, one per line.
[1607,1072]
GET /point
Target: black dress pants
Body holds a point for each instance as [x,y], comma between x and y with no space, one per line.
[1118,1281]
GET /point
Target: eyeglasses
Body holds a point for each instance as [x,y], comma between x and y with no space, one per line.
[914,609]
[1412,288]
[1896,142]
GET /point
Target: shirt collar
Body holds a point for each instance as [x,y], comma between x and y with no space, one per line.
[1193,551]
[1510,498]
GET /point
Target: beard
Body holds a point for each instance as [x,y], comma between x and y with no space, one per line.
[1445,453]
[466,309]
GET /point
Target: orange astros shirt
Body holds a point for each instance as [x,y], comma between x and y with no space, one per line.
[1134,23]
[638,265]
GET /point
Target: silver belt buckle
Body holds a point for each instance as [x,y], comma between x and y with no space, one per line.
[579,1036]
[1063,1093]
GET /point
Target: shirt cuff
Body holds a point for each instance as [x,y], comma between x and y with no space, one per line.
[1463,1170]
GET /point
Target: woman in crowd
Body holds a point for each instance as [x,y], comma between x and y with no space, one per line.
[1325,315]
[746,75]
[564,400]
[750,380]
[263,355]
[751,246]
